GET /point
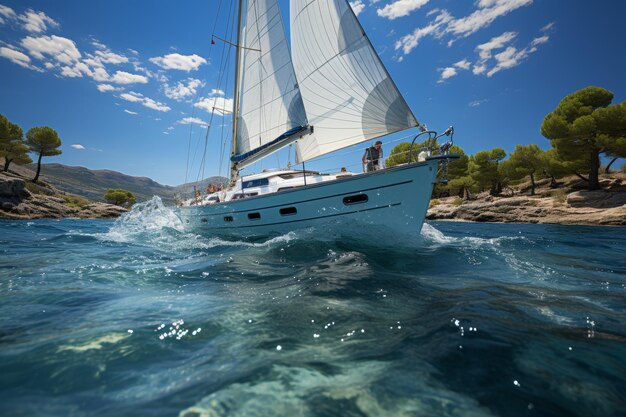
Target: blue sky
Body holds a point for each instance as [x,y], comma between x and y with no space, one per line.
[126,84]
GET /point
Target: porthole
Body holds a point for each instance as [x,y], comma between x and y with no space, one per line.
[228,218]
[254,216]
[288,211]
[204,220]
[355,199]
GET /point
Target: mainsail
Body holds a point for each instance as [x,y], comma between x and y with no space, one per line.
[347,92]
[271,112]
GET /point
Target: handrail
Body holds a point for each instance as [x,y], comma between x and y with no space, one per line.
[431,135]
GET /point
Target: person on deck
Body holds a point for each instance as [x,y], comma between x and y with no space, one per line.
[373,157]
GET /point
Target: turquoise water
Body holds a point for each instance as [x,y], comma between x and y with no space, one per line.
[136,318]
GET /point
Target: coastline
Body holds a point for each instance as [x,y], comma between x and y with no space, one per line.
[21,199]
[567,204]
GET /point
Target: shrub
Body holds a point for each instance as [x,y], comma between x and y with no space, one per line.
[120,197]
[434,203]
[74,200]
[457,201]
[560,195]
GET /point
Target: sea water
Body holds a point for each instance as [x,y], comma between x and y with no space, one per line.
[136,317]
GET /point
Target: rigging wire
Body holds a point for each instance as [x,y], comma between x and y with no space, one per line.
[188,167]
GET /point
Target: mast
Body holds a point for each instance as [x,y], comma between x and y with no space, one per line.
[234,172]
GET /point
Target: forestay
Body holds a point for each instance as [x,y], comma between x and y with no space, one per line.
[270,102]
[347,92]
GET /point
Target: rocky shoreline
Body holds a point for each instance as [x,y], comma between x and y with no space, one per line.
[22,199]
[567,204]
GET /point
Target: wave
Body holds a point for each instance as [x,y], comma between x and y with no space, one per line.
[153,224]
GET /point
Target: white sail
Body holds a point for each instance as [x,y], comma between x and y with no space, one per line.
[270,101]
[347,92]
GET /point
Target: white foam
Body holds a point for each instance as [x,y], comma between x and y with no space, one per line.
[150,216]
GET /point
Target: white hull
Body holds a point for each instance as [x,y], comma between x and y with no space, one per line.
[394,200]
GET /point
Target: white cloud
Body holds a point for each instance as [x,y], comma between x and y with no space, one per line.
[548,27]
[446,25]
[103,88]
[464,64]
[490,63]
[400,8]
[357,6]
[192,120]
[130,112]
[446,73]
[498,42]
[156,105]
[145,101]
[510,57]
[489,10]
[98,44]
[123,77]
[476,103]
[183,89]
[217,92]
[17,57]
[61,50]
[221,105]
[179,62]
[78,146]
[450,72]
[109,57]
[37,22]
[6,12]
[408,42]
[132,97]
[540,40]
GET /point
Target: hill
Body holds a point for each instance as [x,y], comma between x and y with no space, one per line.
[188,189]
[92,184]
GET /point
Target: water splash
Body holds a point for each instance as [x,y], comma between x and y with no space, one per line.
[150,216]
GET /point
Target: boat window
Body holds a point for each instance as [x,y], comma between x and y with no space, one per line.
[255,183]
[288,211]
[243,195]
[355,199]
[204,220]
[285,188]
[254,216]
[228,218]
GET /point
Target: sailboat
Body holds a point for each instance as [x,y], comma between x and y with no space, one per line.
[326,91]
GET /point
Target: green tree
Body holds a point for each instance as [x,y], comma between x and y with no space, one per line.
[486,171]
[526,160]
[459,181]
[4,128]
[400,153]
[585,125]
[612,119]
[120,197]
[12,146]
[553,167]
[43,141]
[15,152]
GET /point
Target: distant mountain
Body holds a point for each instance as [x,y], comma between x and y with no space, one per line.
[93,184]
[186,190]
